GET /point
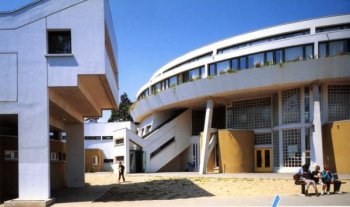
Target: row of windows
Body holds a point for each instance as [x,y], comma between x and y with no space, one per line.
[330,48]
[333,48]
[98,137]
[263,40]
[263,58]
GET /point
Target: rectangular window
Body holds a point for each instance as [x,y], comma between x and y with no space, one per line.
[309,52]
[294,53]
[119,158]
[202,71]
[291,106]
[54,156]
[212,69]
[337,47]
[11,155]
[252,114]
[269,58]
[193,74]
[94,160]
[235,64]
[243,63]
[338,102]
[322,50]
[92,137]
[119,141]
[222,66]
[279,56]
[107,137]
[229,118]
[256,60]
[292,148]
[59,42]
[172,81]
[263,139]
[108,160]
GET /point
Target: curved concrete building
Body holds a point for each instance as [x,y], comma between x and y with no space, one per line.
[282,83]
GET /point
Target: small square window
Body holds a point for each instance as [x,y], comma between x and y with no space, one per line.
[59,42]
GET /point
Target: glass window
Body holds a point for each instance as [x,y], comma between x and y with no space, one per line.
[107,137]
[269,58]
[322,50]
[223,66]
[212,69]
[194,74]
[291,106]
[256,60]
[173,81]
[59,42]
[234,63]
[202,71]
[291,141]
[309,52]
[156,88]
[279,56]
[336,47]
[243,62]
[294,53]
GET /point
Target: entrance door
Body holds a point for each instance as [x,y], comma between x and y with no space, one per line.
[263,160]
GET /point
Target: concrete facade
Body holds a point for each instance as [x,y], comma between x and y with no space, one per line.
[54,91]
[93,160]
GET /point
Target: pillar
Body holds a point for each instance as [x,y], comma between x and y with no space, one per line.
[316,143]
[206,136]
[75,156]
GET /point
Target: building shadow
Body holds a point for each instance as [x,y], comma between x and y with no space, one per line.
[168,189]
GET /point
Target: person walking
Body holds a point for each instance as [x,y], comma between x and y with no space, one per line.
[121,169]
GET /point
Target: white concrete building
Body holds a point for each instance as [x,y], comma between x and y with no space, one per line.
[101,136]
[58,64]
[282,84]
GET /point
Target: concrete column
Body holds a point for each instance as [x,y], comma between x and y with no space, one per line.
[33,154]
[127,154]
[75,156]
[316,143]
[206,136]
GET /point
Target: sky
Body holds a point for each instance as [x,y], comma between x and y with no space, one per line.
[150,33]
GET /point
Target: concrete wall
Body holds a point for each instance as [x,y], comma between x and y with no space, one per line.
[178,164]
[89,167]
[236,151]
[336,145]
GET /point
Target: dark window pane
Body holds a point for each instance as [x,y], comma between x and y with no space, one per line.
[267,158]
[294,53]
[223,66]
[107,137]
[269,58]
[279,56]
[309,54]
[212,70]
[322,50]
[258,158]
[243,62]
[172,81]
[202,71]
[59,42]
[234,64]
[256,60]
[337,47]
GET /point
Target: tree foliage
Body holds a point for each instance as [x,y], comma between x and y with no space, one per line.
[122,114]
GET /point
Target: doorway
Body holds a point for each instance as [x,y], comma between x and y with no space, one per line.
[263,160]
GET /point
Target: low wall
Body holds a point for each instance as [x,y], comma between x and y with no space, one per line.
[336,146]
[236,151]
[89,167]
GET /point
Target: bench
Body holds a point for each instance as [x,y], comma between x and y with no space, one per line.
[297,181]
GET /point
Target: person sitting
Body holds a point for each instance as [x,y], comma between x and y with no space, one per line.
[306,177]
[317,176]
[328,178]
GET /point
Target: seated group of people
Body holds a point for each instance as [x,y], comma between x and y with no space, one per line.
[325,178]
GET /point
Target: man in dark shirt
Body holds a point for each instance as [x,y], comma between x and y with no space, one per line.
[121,171]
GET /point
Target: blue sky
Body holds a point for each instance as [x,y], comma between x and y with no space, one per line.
[151,33]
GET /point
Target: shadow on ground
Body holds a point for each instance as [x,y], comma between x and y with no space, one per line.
[154,190]
[86,194]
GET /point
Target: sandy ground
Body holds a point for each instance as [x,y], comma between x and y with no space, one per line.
[160,187]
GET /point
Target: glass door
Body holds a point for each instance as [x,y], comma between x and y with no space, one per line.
[263,160]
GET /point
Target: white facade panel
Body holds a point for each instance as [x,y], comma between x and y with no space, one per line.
[8,77]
